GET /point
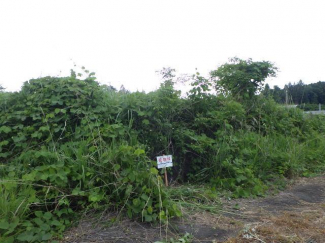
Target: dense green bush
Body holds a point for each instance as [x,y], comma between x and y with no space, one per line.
[68,145]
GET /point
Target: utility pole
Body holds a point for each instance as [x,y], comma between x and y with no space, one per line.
[286,97]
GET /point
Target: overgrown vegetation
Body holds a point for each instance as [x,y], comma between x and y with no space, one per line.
[69,145]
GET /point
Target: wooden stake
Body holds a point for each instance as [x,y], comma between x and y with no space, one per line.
[166,180]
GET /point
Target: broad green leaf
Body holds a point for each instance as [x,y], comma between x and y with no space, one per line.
[26,236]
[148,218]
[38,221]
[56,223]
[150,210]
[4,224]
[144,197]
[5,129]
[116,167]
[46,236]
[146,122]
[47,215]
[154,171]
[45,227]
[139,152]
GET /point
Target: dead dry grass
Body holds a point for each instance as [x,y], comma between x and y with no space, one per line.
[304,227]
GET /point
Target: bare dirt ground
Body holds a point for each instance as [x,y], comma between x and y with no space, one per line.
[296,214]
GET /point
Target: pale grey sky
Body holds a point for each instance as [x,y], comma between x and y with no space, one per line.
[126,41]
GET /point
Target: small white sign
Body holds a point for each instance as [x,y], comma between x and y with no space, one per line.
[164,161]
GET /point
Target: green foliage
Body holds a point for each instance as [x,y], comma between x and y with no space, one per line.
[242,78]
[72,150]
[69,145]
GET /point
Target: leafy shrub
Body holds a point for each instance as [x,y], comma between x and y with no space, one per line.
[71,156]
[73,145]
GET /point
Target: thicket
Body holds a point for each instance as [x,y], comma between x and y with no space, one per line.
[69,145]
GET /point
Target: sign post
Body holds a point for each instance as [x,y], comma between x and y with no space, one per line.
[164,162]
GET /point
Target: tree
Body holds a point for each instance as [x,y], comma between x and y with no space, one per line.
[278,94]
[123,90]
[242,78]
[108,88]
[267,90]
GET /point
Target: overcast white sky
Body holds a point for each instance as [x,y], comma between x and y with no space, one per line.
[126,41]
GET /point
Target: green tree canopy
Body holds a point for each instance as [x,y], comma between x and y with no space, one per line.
[242,78]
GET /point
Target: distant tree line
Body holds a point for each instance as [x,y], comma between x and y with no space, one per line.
[298,93]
